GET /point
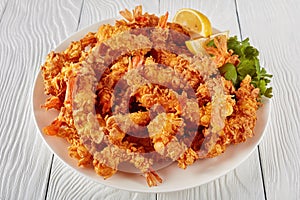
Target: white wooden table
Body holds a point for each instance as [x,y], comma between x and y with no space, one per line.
[29,29]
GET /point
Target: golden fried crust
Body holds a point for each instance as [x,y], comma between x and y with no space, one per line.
[220,52]
[140,118]
[240,124]
[81,86]
[178,34]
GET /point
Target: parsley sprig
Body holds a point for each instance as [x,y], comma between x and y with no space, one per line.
[249,64]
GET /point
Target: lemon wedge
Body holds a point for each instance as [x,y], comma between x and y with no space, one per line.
[197,46]
[193,20]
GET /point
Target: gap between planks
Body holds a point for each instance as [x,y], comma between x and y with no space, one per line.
[238,18]
[52,159]
[4,9]
[80,13]
[49,176]
[259,154]
[262,173]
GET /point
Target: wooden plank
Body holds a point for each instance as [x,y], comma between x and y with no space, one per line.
[3,5]
[274,29]
[240,183]
[221,14]
[64,182]
[29,29]
[245,182]
[94,10]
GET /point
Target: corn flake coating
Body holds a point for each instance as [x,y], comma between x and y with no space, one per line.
[88,81]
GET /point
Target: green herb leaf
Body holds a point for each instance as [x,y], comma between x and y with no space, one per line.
[268,93]
[249,65]
[246,67]
[251,53]
[229,72]
[211,43]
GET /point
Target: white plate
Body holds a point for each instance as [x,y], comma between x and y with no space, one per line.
[174,178]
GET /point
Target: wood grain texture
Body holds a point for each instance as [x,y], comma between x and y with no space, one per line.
[241,183]
[274,29]
[64,182]
[245,182]
[97,10]
[3,5]
[221,13]
[29,29]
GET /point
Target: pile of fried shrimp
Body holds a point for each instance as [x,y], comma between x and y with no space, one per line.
[81,82]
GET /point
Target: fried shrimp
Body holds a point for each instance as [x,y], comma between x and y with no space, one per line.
[220,52]
[132,94]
